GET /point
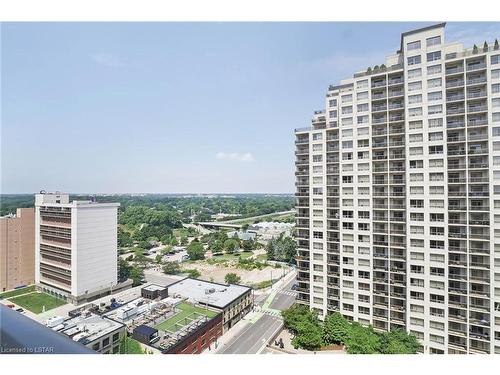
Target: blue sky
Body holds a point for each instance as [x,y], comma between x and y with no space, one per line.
[174,107]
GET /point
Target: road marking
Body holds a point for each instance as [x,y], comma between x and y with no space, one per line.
[270,337]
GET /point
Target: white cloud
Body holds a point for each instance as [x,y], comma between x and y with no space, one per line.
[108,59]
[235,156]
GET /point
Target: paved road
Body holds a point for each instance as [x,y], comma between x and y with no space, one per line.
[285,297]
[254,336]
[160,278]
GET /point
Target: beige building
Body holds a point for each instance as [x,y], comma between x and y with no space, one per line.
[17,249]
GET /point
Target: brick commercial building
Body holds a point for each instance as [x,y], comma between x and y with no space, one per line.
[17,249]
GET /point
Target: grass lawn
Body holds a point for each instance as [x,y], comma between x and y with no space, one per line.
[130,346]
[261,258]
[183,310]
[34,302]
[16,292]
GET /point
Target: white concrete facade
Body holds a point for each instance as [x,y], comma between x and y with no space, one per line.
[76,246]
[398,222]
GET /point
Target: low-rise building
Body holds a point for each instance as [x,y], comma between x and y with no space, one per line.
[153,291]
[235,301]
[98,333]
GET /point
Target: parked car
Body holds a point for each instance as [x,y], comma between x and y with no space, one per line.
[20,310]
[11,306]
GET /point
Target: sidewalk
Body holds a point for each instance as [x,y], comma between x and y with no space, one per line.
[235,330]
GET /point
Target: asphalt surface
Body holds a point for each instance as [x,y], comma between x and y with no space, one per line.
[158,278]
[285,297]
[254,336]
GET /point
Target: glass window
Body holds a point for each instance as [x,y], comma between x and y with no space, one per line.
[495,59]
[414,73]
[433,69]
[433,56]
[413,45]
[433,41]
[414,60]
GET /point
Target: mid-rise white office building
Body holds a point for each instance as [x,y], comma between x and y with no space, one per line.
[398,195]
[76,247]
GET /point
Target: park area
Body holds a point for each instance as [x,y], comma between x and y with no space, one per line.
[185,314]
[17,292]
[37,302]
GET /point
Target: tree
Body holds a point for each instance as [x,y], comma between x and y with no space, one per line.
[140,259]
[475,49]
[362,340]
[216,246]
[166,250]
[496,46]
[283,249]
[244,227]
[196,250]
[247,245]
[230,245]
[124,238]
[184,240]
[193,273]
[309,336]
[485,47]
[171,268]
[336,329]
[232,278]
[295,315]
[158,258]
[398,341]
[123,270]
[137,275]
[174,242]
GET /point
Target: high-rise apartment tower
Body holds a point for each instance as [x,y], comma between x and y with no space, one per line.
[398,195]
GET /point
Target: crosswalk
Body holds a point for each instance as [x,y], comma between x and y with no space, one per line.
[275,313]
[290,293]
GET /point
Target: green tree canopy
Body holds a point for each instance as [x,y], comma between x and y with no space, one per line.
[336,329]
[398,341]
[137,275]
[231,245]
[196,250]
[232,278]
[171,268]
[362,340]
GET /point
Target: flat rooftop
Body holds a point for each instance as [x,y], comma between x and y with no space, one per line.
[205,292]
[86,329]
[154,287]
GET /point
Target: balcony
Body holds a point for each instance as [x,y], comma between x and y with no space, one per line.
[476,81]
[456,83]
[455,70]
[455,111]
[474,67]
[477,108]
[453,98]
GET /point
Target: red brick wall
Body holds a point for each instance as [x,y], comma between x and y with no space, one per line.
[201,339]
